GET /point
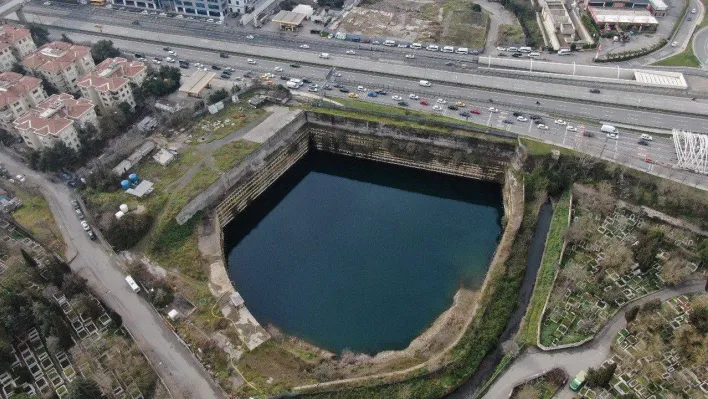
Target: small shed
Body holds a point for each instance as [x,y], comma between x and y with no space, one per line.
[164,157]
[173,314]
[144,188]
[147,124]
[236,299]
[194,85]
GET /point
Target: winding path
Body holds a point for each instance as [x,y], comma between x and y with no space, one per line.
[572,360]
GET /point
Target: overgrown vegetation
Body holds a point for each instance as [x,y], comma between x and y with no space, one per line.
[526,13]
[127,231]
[103,49]
[35,216]
[542,387]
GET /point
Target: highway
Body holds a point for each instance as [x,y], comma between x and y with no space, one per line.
[96,262]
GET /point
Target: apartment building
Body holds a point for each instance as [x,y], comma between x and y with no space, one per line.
[110,84]
[61,63]
[204,8]
[81,111]
[43,129]
[241,6]
[18,93]
[15,44]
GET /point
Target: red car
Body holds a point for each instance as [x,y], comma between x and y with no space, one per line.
[474,111]
[423,102]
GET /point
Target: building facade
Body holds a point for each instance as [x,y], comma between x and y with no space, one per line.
[18,94]
[241,6]
[82,111]
[204,8]
[15,44]
[110,84]
[146,4]
[41,129]
[61,63]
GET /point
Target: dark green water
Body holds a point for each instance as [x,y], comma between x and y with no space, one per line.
[347,253]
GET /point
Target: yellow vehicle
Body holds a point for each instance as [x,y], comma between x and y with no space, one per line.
[460,104]
[98,2]
[353,95]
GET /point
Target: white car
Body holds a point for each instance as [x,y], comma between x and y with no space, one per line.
[560,122]
[210,20]
[197,64]
[304,46]
[47,3]
[250,61]
[542,127]
[351,52]
[441,101]
[500,48]
[156,62]
[613,136]
[413,96]
[179,16]
[674,44]
[646,137]
[396,98]
[20,178]
[360,88]
[492,109]
[278,69]
[693,11]
[144,12]
[249,37]
[437,107]
[521,119]
[85,225]
[571,128]
[163,14]
[171,52]
[410,56]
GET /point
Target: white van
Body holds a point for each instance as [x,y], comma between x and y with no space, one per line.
[416,46]
[133,285]
[608,129]
[462,50]
[432,47]
[448,49]
[534,54]
[512,49]
[424,83]
[324,55]
[292,85]
[389,43]
[525,49]
[647,137]
[564,51]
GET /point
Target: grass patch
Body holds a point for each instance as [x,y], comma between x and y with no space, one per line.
[547,271]
[685,58]
[233,153]
[228,120]
[272,360]
[35,216]
[511,34]
[463,26]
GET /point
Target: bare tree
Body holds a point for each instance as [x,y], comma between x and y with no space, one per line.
[618,258]
[604,200]
[674,270]
[580,229]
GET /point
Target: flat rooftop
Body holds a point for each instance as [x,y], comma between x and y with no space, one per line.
[197,82]
[289,18]
[619,16]
[661,78]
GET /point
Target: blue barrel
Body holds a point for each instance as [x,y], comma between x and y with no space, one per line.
[133,177]
[125,184]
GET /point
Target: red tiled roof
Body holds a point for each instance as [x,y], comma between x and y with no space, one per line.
[65,105]
[11,33]
[55,56]
[14,86]
[33,121]
[121,67]
[100,83]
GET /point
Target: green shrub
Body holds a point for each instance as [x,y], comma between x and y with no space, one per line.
[127,231]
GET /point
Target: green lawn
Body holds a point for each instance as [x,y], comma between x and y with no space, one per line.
[547,271]
[35,216]
[511,34]
[233,153]
[686,58]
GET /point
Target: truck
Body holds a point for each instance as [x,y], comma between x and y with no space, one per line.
[578,381]
[608,129]
[424,83]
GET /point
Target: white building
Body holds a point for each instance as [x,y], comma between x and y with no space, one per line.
[18,93]
[203,8]
[110,84]
[146,4]
[43,129]
[15,44]
[82,112]
[61,64]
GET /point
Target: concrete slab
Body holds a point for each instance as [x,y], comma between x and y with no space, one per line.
[280,117]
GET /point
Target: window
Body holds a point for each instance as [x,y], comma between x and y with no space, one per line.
[200,5]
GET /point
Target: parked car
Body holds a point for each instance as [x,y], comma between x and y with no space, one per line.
[578,381]
[464,114]
[423,102]
[306,81]
[474,111]
[410,56]
[542,126]
[294,66]
[225,75]
[508,121]
[223,55]
[441,101]
[80,214]
[75,203]
[250,61]
[351,52]
[588,133]
[353,95]
[372,94]
[396,98]
[403,103]
[560,122]
[460,104]
[647,137]
[453,107]
[595,91]
[249,37]
[613,136]
[91,235]
[278,69]
[85,225]
[381,92]
[493,110]
[642,142]
[305,46]
[413,96]
[216,67]
[522,118]
[344,90]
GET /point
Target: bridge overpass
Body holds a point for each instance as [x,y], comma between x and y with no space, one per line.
[8,7]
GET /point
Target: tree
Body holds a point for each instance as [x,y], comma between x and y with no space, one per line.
[580,229]
[29,260]
[649,242]
[674,270]
[18,68]
[476,7]
[218,95]
[56,157]
[631,314]
[618,258]
[103,179]
[601,377]
[73,285]
[699,316]
[17,314]
[125,232]
[103,49]
[40,34]
[65,38]
[86,305]
[83,388]
[23,395]
[573,46]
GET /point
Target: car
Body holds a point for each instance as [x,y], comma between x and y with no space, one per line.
[560,122]
[80,214]
[410,56]
[437,107]
[449,63]
[163,14]
[538,121]
[210,20]
[170,52]
[351,52]
[144,12]
[135,22]
[423,102]
[516,113]
[502,55]
[474,111]
[353,95]
[327,87]
[542,126]
[344,90]
[535,117]
[75,203]
[441,101]
[360,88]
[85,225]
[396,98]
[453,107]
[464,114]
[517,55]
[312,89]
[156,59]
[278,69]
[460,104]
[646,137]
[219,22]
[47,3]
[337,85]
[403,103]
[170,60]
[372,94]
[413,96]
[306,81]
[588,133]
[501,48]
[305,46]
[250,61]
[674,44]
[571,128]
[225,76]
[20,178]
[197,64]
[91,235]
[249,37]
[493,110]
[613,136]
[690,18]
[522,119]
[216,67]
[642,142]
[508,121]
[382,92]
[693,11]
[223,55]
[179,16]
[578,381]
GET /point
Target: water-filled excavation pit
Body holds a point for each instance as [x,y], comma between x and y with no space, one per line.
[354,254]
